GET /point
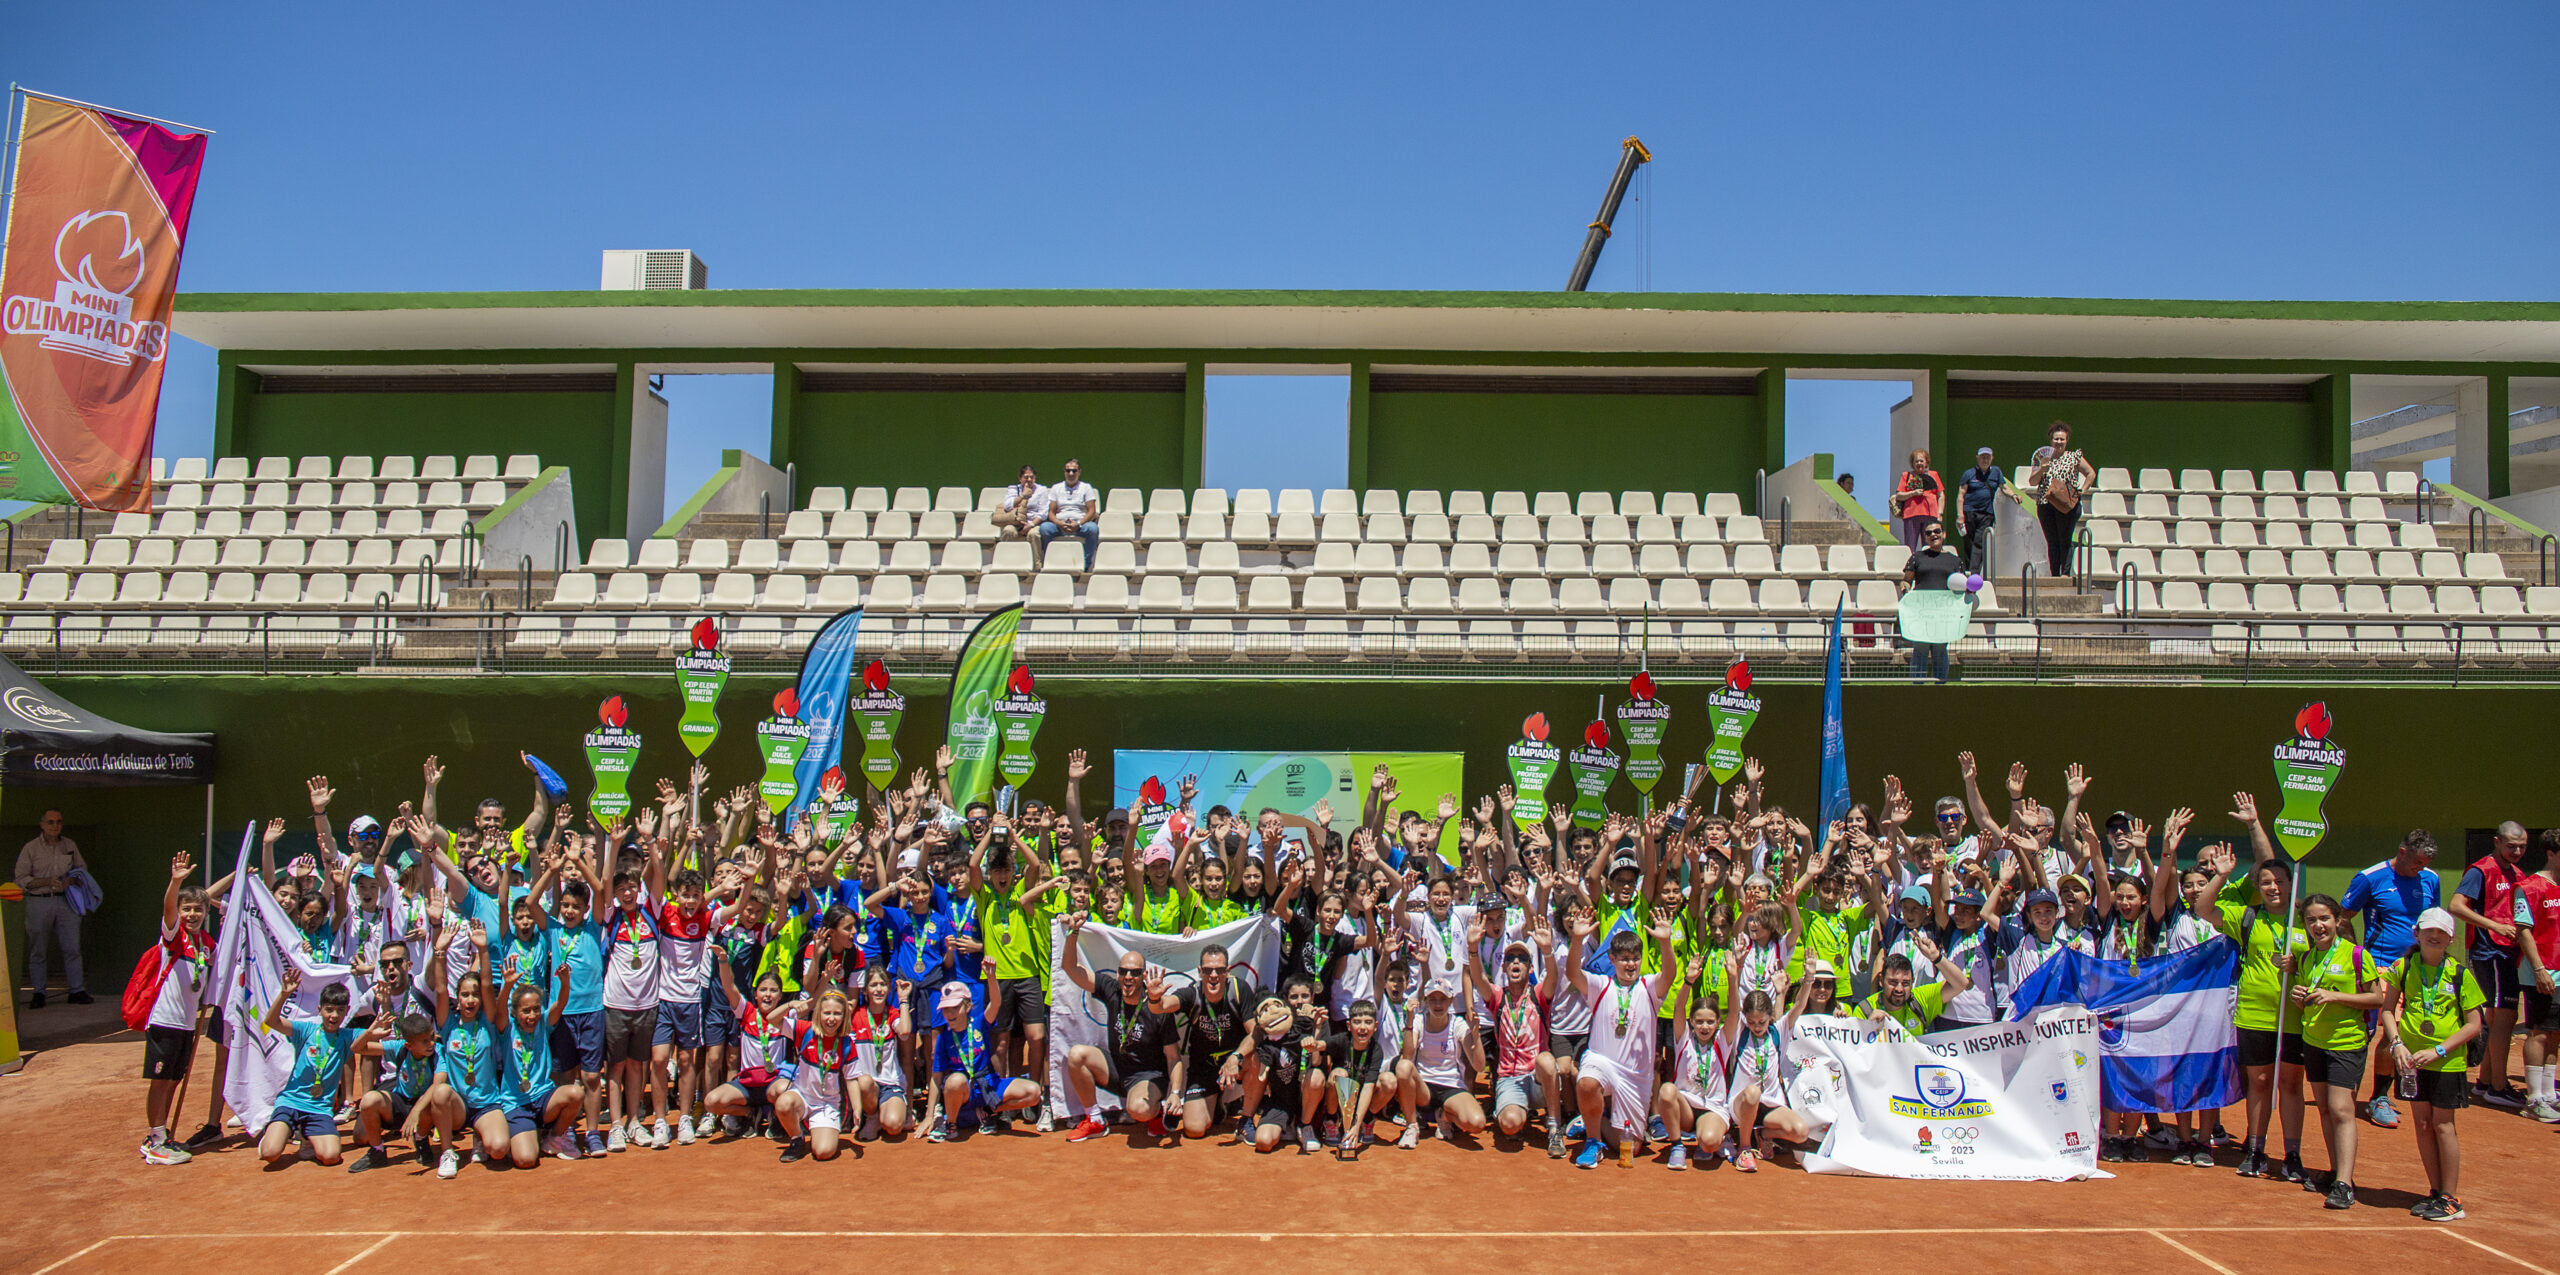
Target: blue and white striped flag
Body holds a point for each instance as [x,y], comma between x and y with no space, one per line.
[2165,1038]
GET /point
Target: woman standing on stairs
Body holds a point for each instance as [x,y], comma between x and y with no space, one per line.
[2059,477]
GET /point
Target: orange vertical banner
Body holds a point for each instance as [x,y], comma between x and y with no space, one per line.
[97,217]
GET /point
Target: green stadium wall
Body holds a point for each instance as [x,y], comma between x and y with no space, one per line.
[975,438]
[2165,435]
[1440,440]
[2447,760]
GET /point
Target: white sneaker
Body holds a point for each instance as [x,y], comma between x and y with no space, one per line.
[1448,1129]
[2547,1111]
[1412,1136]
[658,1136]
[614,1140]
[870,1130]
[562,1146]
[684,1133]
[1048,1123]
[706,1124]
[1307,1140]
[451,1163]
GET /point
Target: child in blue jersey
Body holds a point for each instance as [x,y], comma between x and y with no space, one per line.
[577,1043]
[310,1094]
[965,1082]
[533,1100]
[472,1071]
[408,1072]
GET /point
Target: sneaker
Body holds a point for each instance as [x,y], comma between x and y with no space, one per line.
[1555,1141]
[2134,1152]
[2439,1208]
[2290,1170]
[369,1158]
[2109,1151]
[707,1123]
[562,1146]
[615,1141]
[80,998]
[449,1165]
[595,1143]
[204,1137]
[2342,1195]
[797,1151]
[2199,1155]
[1658,1131]
[870,1131]
[36,1001]
[346,1114]
[163,1151]
[1574,1130]
[940,1132]
[1048,1123]
[1589,1156]
[1411,1137]
[684,1133]
[2500,1097]
[660,1135]
[1156,1129]
[2382,1113]
[1745,1160]
[2547,1111]
[2432,1196]
[1448,1129]
[1307,1140]
[1089,1128]
[2252,1163]
[2161,1138]
[2318,1183]
[1678,1160]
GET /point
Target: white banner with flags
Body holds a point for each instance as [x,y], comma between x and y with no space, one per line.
[256,946]
[1076,1018]
[2006,1102]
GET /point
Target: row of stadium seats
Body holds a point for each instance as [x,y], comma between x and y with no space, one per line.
[1294,529]
[2388,565]
[2377,534]
[248,553]
[2188,598]
[322,497]
[323,589]
[267,524]
[241,469]
[917,557]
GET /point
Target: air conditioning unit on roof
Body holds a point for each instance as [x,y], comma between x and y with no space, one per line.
[654,270]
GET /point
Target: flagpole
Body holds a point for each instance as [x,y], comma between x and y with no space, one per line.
[111,110]
[2284,986]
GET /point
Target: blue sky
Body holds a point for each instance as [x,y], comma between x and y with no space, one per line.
[2272,150]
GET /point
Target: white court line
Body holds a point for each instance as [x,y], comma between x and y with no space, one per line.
[2194,1254]
[376,1247]
[2161,1232]
[61,1262]
[2486,1249]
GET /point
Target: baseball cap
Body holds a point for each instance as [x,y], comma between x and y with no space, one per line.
[1515,945]
[1969,898]
[1624,863]
[364,826]
[1982,451]
[1118,815]
[1915,894]
[2436,919]
[2119,820]
[2035,897]
[2074,878]
[1439,987]
[955,992]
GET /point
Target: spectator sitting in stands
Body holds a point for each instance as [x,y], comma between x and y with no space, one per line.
[1025,504]
[1073,508]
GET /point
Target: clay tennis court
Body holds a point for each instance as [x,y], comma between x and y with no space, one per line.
[82,1201]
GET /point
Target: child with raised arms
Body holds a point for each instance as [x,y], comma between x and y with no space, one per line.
[750,1096]
[320,1050]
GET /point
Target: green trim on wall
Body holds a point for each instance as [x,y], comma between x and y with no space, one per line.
[786,396]
[1772,390]
[230,392]
[1943,448]
[1356,437]
[491,519]
[1195,425]
[675,523]
[2333,410]
[1858,514]
[2500,440]
[626,400]
[1735,302]
[2493,511]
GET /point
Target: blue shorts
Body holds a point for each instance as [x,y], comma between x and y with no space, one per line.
[305,1124]
[679,1024]
[527,1119]
[471,1116]
[719,1020]
[577,1043]
[986,1093]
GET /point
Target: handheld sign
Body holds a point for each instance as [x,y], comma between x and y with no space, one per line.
[875,715]
[781,738]
[2307,766]
[1019,715]
[611,753]
[1533,767]
[1643,719]
[1730,713]
[701,672]
[1594,769]
[1938,617]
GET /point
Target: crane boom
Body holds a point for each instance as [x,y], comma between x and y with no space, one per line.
[1631,153]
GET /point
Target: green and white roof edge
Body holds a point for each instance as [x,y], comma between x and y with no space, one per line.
[1800,330]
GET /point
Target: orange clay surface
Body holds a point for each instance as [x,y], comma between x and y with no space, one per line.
[81,1200]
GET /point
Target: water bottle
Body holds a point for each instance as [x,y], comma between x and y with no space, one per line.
[2406,1083]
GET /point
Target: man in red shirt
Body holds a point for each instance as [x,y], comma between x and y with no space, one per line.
[2540,911]
[2486,902]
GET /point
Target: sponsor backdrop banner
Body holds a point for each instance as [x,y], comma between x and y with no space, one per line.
[98,210]
[2007,1102]
[1292,783]
[977,680]
[1075,1018]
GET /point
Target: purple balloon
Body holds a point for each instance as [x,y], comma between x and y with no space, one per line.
[1973,584]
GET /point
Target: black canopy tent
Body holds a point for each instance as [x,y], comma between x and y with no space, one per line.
[48,741]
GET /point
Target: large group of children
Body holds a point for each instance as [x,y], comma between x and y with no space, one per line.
[677,975]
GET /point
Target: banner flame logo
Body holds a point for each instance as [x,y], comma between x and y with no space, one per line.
[1535,727]
[786,703]
[613,713]
[2313,722]
[875,677]
[1596,734]
[93,239]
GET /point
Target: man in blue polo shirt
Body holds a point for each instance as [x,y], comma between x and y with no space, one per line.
[2388,897]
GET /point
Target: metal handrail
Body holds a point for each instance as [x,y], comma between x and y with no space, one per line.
[426,577]
[560,548]
[2546,553]
[524,582]
[764,514]
[2129,593]
[2479,525]
[1786,518]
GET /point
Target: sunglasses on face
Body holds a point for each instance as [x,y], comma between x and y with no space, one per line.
[1951,818]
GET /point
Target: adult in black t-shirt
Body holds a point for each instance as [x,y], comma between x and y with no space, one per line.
[1931,567]
[1210,1017]
[1137,1050]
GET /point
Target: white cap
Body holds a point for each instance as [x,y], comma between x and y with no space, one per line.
[2436,919]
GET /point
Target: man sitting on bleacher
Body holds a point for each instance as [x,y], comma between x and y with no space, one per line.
[1074,508]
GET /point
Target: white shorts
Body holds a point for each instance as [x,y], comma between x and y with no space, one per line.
[1629,1098]
[825,1113]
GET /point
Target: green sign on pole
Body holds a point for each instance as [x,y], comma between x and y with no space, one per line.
[781,738]
[1643,719]
[1533,767]
[701,672]
[875,717]
[976,680]
[1594,769]
[2307,766]
[1020,713]
[611,753]
[1730,713]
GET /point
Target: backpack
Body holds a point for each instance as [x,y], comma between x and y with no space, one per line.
[142,990]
